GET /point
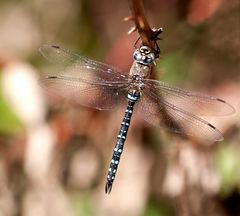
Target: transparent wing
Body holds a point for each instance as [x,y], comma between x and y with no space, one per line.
[84,81]
[160,112]
[102,97]
[196,103]
[75,66]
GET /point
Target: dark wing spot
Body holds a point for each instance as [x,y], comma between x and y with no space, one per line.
[52,77]
[55,46]
[211,126]
[219,99]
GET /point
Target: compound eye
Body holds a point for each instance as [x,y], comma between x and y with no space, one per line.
[149,59]
[137,55]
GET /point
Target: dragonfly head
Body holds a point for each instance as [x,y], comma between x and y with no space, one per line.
[144,55]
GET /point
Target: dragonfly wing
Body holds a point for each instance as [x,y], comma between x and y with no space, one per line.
[102,97]
[193,102]
[75,66]
[84,81]
[160,112]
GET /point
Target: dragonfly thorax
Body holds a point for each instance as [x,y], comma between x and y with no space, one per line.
[136,84]
[140,70]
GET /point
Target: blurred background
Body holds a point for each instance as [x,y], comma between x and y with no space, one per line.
[54,156]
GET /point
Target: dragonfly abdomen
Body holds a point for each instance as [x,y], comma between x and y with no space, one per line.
[132,99]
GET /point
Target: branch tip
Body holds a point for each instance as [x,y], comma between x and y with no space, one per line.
[148,36]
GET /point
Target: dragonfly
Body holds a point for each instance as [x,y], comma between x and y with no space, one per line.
[97,85]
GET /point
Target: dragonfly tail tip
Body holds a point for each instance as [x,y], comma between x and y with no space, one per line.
[108,188]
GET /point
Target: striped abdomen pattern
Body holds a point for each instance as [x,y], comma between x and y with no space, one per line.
[132,99]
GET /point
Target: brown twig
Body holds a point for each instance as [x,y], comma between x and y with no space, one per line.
[148,36]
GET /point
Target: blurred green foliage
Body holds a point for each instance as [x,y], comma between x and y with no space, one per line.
[82,204]
[9,123]
[154,208]
[174,67]
[228,167]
